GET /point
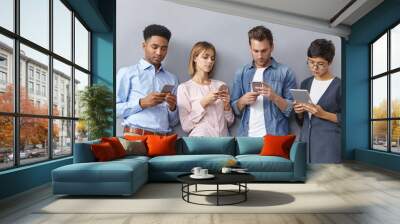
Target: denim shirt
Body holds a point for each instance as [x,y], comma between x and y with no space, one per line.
[281,78]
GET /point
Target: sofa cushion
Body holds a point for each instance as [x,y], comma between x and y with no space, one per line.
[207,145]
[83,152]
[257,163]
[103,151]
[112,171]
[134,147]
[277,145]
[116,145]
[185,163]
[249,145]
[161,145]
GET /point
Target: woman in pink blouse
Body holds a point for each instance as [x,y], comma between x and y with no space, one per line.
[203,103]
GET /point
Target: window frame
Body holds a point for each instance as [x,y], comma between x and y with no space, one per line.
[388,74]
[16,114]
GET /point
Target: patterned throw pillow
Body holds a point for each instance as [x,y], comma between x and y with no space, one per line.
[137,147]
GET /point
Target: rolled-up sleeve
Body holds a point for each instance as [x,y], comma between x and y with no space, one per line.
[236,92]
[290,83]
[125,106]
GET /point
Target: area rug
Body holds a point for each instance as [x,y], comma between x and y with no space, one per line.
[167,198]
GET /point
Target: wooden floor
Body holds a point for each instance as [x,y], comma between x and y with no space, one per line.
[377,188]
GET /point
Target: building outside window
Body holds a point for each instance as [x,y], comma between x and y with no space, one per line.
[30,72]
[30,87]
[3,71]
[59,127]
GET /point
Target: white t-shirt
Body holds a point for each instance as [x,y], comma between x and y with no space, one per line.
[318,89]
[256,120]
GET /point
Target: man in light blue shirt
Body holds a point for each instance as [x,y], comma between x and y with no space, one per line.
[266,109]
[140,100]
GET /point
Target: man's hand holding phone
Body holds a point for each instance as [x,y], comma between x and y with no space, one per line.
[169,97]
[264,89]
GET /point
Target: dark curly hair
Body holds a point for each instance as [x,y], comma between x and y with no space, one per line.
[156,30]
[321,48]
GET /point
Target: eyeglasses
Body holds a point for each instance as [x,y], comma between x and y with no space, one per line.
[318,65]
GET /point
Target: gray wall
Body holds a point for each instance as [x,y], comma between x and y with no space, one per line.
[227,32]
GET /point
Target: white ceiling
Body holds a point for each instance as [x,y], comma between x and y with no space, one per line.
[315,15]
[318,9]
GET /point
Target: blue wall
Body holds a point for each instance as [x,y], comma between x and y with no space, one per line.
[99,15]
[24,178]
[357,84]
[103,62]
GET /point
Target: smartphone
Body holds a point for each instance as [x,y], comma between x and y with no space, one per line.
[301,95]
[256,86]
[222,90]
[167,88]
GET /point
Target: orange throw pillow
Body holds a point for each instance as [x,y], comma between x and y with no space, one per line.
[277,145]
[136,137]
[161,145]
[116,145]
[103,152]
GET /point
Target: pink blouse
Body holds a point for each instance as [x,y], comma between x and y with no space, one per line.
[199,121]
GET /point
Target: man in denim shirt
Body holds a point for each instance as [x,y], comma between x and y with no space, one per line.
[264,108]
[145,108]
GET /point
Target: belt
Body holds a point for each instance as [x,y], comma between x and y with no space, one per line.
[140,131]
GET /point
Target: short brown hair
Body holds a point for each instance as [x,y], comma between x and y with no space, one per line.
[196,50]
[261,33]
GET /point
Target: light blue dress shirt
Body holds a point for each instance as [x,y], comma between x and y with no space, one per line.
[281,78]
[136,82]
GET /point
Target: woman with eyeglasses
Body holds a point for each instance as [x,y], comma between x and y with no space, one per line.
[321,118]
[203,102]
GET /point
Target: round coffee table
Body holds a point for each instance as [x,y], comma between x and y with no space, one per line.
[238,179]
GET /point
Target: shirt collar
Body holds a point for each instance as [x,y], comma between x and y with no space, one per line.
[143,64]
[273,64]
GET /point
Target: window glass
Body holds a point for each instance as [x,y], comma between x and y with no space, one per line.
[395,47]
[379,135]
[81,45]
[395,95]
[81,81]
[35,21]
[395,136]
[62,91]
[39,62]
[62,29]
[6,142]
[34,144]
[379,56]
[81,131]
[6,74]
[7,14]
[379,98]
[62,141]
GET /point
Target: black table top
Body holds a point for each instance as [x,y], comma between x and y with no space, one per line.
[220,178]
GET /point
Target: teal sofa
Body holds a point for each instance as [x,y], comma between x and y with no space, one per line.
[125,176]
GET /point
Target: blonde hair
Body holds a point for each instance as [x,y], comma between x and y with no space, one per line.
[196,50]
